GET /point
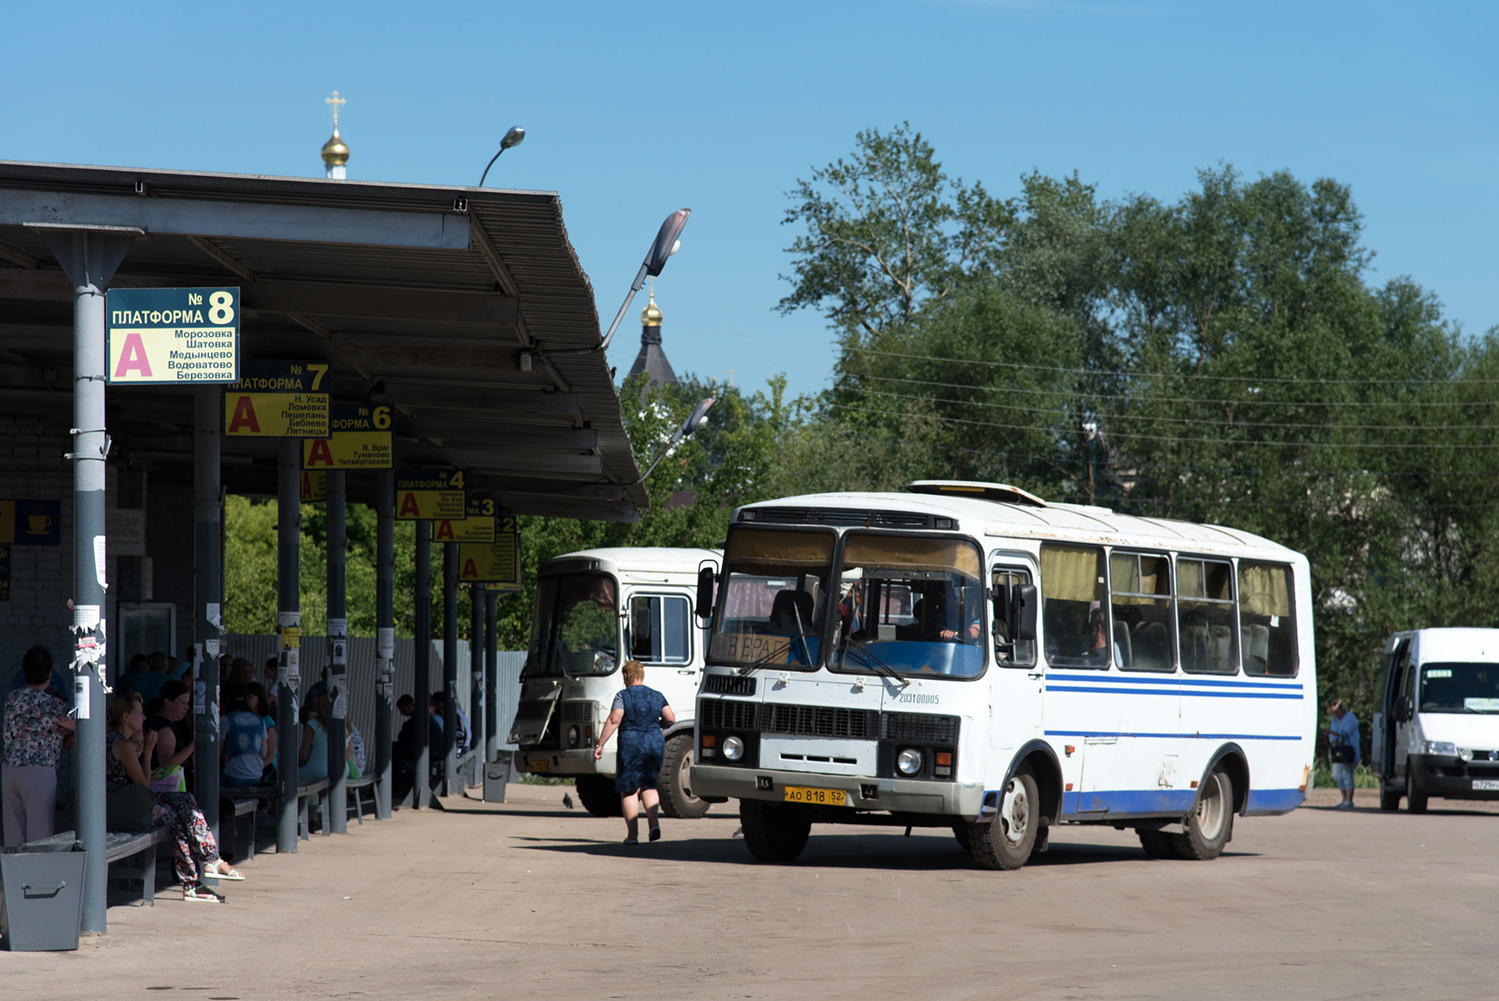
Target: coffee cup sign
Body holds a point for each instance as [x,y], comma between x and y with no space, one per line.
[30,522]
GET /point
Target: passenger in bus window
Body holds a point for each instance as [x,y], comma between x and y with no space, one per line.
[1098,642]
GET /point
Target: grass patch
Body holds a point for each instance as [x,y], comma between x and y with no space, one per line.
[546,780]
[1363,777]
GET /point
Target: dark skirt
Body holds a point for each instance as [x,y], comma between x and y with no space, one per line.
[640,754]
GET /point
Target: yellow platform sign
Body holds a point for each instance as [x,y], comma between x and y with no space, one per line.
[314,486]
[359,438]
[429,493]
[476,526]
[496,562]
[278,400]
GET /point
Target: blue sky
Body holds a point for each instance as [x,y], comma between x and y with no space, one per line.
[632,111]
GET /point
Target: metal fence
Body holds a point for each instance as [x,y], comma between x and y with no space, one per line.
[257,649]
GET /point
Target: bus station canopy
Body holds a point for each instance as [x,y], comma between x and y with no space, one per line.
[463,309]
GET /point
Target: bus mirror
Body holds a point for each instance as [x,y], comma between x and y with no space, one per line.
[1403,710]
[1023,607]
[705,579]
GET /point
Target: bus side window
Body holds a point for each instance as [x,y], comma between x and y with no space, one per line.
[1140,599]
[1205,616]
[1072,593]
[676,632]
[645,637]
[1025,650]
[1267,620]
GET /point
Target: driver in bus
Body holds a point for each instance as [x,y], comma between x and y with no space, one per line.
[933,623]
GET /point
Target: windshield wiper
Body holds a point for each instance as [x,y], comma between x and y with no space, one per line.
[872,661]
[759,662]
[801,634]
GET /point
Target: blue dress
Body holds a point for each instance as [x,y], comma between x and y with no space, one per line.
[641,746]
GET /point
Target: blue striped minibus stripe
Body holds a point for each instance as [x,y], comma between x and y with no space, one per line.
[1150,691]
[1118,679]
[1172,736]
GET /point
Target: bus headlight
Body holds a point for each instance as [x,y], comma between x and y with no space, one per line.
[572,735]
[733,748]
[1441,747]
[908,761]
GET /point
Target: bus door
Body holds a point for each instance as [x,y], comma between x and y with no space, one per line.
[1383,731]
[659,635]
[1018,681]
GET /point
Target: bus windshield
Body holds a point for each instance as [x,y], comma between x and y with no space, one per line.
[910,605]
[771,609]
[576,627]
[1460,688]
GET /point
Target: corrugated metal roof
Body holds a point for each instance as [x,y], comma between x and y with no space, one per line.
[457,318]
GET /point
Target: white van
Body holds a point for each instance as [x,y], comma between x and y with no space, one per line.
[1436,731]
[594,610]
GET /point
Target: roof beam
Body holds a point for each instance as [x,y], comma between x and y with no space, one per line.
[238,220]
[16,255]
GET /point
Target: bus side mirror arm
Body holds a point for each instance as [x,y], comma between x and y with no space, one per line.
[1015,607]
[1403,710]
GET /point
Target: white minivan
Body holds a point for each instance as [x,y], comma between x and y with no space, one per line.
[1436,729]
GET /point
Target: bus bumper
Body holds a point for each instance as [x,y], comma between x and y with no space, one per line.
[579,761]
[951,799]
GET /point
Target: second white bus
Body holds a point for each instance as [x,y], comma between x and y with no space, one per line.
[967,654]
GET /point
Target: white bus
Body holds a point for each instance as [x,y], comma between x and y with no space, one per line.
[594,610]
[967,654]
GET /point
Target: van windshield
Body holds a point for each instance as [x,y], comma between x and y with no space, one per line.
[576,627]
[1459,688]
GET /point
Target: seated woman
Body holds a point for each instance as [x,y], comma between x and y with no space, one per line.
[172,751]
[128,749]
[312,759]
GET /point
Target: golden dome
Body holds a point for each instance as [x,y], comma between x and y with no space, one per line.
[335,153]
[650,316]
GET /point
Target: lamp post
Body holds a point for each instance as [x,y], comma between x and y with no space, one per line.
[512,138]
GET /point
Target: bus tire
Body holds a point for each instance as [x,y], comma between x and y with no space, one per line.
[1389,798]
[1157,844]
[677,799]
[1006,841]
[597,794]
[773,832]
[1415,799]
[1210,825]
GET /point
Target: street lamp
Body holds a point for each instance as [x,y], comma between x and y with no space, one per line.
[665,245]
[694,420]
[512,138]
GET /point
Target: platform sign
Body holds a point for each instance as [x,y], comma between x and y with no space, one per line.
[30,522]
[278,399]
[359,438]
[496,562]
[429,493]
[314,486]
[477,525]
[162,336]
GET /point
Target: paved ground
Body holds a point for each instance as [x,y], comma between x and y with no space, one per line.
[528,900]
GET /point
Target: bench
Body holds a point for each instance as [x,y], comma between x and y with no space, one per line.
[244,807]
[356,789]
[304,793]
[120,845]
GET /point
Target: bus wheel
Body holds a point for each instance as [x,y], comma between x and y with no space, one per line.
[1157,844]
[1415,799]
[677,799]
[772,831]
[1389,797]
[1006,841]
[1211,822]
[598,795]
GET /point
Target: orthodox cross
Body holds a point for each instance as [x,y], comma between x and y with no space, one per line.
[334,102]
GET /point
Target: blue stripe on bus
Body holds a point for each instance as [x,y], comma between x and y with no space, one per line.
[1169,802]
[1150,691]
[1172,736]
[1117,679]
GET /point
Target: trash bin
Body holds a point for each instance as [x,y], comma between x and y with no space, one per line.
[43,893]
[496,776]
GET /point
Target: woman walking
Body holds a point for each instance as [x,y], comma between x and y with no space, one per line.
[127,752]
[637,714]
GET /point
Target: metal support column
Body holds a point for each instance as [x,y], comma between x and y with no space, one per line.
[89,256]
[289,617]
[208,418]
[450,668]
[476,715]
[338,644]
[421,789]
[385,634]
[491,675]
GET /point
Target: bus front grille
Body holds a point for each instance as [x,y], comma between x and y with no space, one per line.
[921,728]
